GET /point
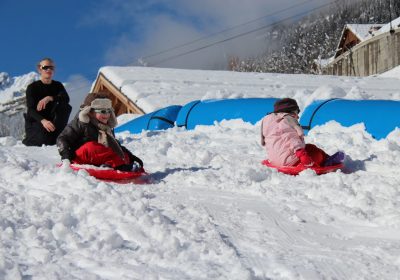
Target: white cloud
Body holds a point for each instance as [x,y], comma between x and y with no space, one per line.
[77,87]
[158,25]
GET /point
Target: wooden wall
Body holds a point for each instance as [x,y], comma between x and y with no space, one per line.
[121,103]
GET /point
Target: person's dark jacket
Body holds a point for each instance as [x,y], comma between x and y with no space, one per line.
[77,133]
[36,91]
[56,111]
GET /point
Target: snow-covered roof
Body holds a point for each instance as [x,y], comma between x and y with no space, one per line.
[363,31]
[395,24]
[366,31]
[155,88]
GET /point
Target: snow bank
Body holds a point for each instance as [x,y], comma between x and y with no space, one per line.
[212,212]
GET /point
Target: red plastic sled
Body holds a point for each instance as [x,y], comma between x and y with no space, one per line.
[112,175]
[295,170]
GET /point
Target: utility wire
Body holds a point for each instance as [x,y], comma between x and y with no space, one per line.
[225,30]
[227,39]
[242,34]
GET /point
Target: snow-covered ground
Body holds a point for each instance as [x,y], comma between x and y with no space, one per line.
[211,211]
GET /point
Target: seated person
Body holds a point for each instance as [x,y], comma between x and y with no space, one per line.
[48,107]
[283,138]
[89,138]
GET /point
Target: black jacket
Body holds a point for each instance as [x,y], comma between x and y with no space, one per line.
[77,133]
[36,91]
[74,135]
[56,111]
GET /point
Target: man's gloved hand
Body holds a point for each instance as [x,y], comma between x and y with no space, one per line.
[304,158]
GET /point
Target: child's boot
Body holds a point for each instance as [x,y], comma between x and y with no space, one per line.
[334,159]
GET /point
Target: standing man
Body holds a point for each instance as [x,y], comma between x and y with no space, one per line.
[48,107]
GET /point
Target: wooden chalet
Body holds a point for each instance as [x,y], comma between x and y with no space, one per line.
[364,50]
[353,34]
[121,103]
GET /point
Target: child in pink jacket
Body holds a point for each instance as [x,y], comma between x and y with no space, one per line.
[283,138]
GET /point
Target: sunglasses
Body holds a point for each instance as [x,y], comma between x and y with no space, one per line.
[102,111]
[47,67]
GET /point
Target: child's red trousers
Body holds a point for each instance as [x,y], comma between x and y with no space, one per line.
[97,154]
[317,155]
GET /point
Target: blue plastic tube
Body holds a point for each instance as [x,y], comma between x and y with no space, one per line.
[206,112]
[157,120]
[380,117]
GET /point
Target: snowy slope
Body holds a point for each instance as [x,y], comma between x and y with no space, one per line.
[211,211]
[393,73]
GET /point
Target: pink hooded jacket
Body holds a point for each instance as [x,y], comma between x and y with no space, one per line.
[282,136]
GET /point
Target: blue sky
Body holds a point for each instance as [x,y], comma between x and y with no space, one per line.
[82,36]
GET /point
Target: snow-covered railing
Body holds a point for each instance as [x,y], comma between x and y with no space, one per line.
[12,118]
[13,106]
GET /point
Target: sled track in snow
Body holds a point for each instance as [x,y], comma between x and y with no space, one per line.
[257,260]
[306,247]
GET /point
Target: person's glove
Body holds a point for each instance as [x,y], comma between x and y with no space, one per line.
[137,160]
[64,153]
[304,158]
[132,158]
